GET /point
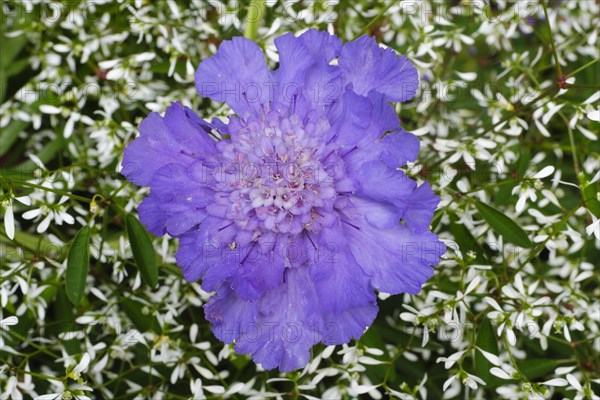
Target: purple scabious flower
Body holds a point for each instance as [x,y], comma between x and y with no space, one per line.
[294,212]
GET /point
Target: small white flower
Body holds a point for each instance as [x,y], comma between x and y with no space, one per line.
[529,187]
[81,367]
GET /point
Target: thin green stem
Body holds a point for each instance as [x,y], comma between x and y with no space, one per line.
[256,11]
[572,142]
[375,19]
[35,374]
[558,67]
[583,67]
[578,86]
[116,191]
[47,189]
[32,344]
[512,357]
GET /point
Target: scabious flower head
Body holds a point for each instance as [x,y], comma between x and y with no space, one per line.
[294,212]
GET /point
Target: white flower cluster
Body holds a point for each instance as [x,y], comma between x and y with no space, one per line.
[508,118]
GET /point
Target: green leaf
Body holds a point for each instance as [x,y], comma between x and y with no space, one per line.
[143,322]
[78,264]
[16,67]
[465,239]
[486,340]
[63,320]
[10,133]
[589,193]
[510,231]
[539,367]
[143,252]
[26,169]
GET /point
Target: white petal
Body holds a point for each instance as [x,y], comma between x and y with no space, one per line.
[564,370]
[68,218]
[593,98]
[555,382]
[108,63]
[27,201]
[494,359]
[472,285]
[362,389]
[52,396]
[453,358]
[85,319]
[500,373]
[546,171]
[448,382]
[83,364]
[69,127]
[174,376]
[510,335]
[425,336]
[408,317]
[467,76]
[519,284]
[594,115]
[574,382]
[327,352]
[521,203]
[595,178]
[509,291]
[369,361]
[215,389]
[43,226]
[147,56]
[115,74]
[10,321]
[31,214]
[375,351]
[542,128]
[36,160]
[9,222]
[235,388]
[493,303]
[48,109]
[567,333]
[588,134]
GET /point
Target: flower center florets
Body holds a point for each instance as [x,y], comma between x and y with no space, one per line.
[279,174]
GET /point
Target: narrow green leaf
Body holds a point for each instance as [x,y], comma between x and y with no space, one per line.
[25,170]
[256,13]
[143,252]
[10,133]
[63,321]
[589,193]
[510,231]
[16,67]
[486,340]
[78,264]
